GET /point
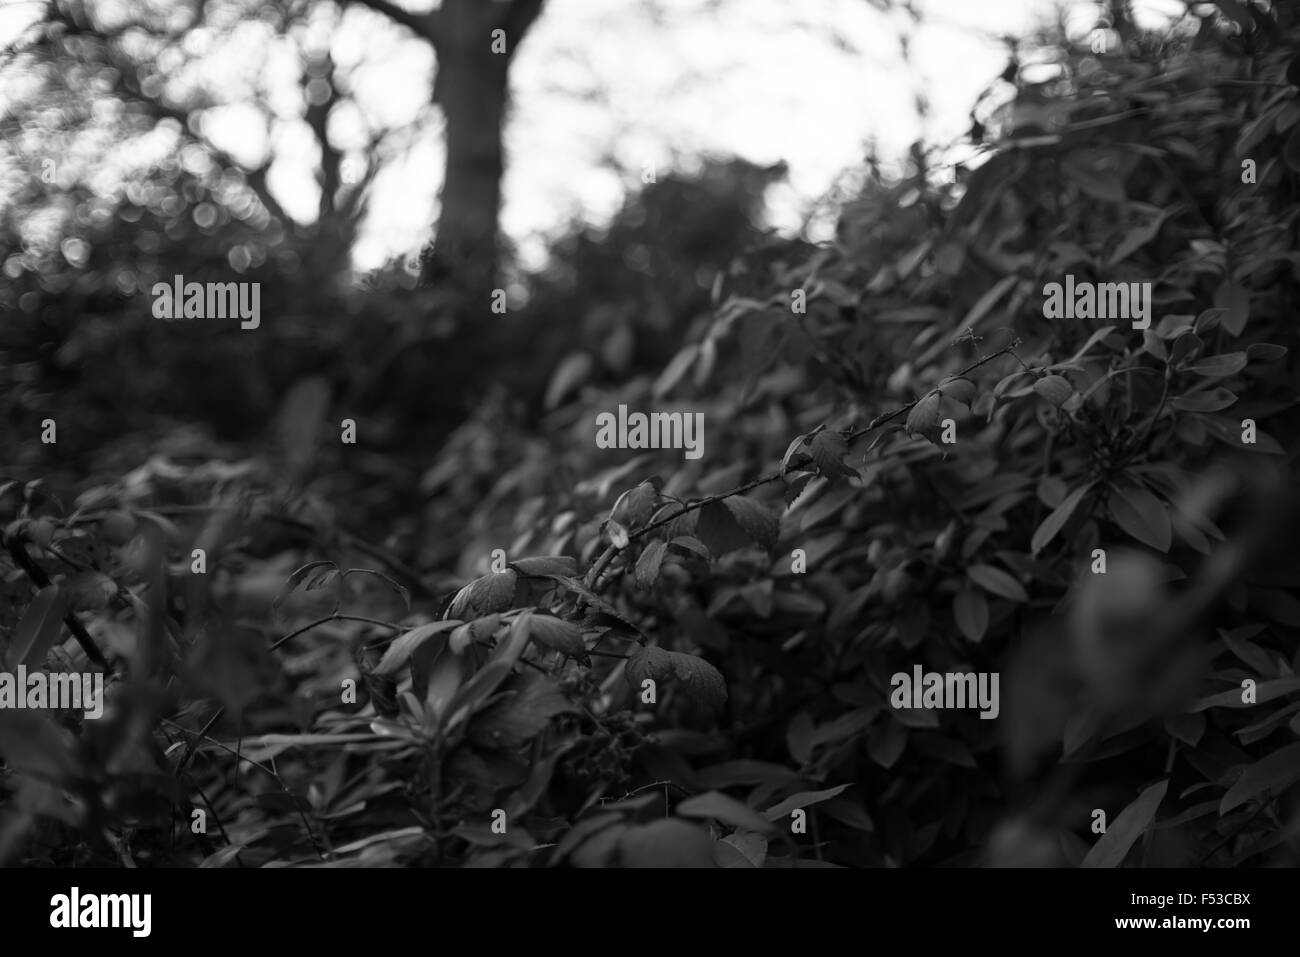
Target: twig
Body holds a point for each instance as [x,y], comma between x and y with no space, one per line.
[216,818]
[320,851]
[607,556]
[42,580]
[1140,441]
[887,416]
[190,748]
[335,617]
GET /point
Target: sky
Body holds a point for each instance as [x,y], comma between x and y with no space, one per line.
[815,83]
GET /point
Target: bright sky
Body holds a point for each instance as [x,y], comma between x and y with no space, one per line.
[812,83]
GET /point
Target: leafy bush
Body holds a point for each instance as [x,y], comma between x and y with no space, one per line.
[829,537]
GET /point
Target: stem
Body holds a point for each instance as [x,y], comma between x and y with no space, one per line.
[42,580]
[335,617]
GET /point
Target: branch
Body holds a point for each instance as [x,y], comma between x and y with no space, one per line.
[42,580]
[335,617]
[607,556]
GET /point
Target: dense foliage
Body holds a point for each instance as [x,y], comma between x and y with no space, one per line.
[832,534]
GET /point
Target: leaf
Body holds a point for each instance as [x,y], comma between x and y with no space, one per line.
[405,644]
[581,831]
[959,389]
[791,449]
[978,311]
[1185,346]
[1234,298]
[228,853]
[1187,728]
[674,371]
[718,529]
[300,421]
[1096,337]
[670,842]
[701,680]
[971,612]
[745,771]
[1213,401]
[571,372]
[1057,519]
[602,609]
[828,450]
[649,563]
[633,508]
[1278,770]
[798,737]
[924,416]
[997,581]
[650,662]
[741,849]
[540,566]
[560,635]
[802,800]
[1264,691]
[1139,236]
[618,536]
[499,665]
[494,592]
[518,716]
[1006,382]
[1142,515]
[461,638]
[688,545]
[1219,367]
[1228,431]
[760,523]
[887,743]
[720,807]
[38,628]
[1113,846]
[298,576]
[1239,643]
[445,677]
[1055,389]
[1265,351]
[1208,320]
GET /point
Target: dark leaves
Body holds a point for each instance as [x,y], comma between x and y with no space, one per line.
[828,450]
[518,715]
[736,522]
[699,679]
[493,592]
[559,635]
[1142,515]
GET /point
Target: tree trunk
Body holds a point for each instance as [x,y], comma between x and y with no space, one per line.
[473,89]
